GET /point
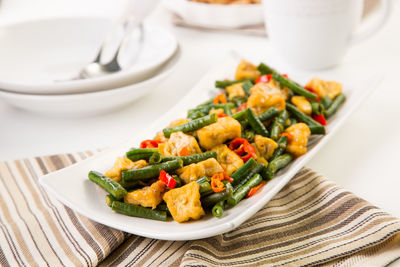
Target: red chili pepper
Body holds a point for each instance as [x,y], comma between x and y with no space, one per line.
[264,78]
[150,144]
[286,76]
[184,151]
[242,107]
[288,135]
[220,99]
[319,118]
[315,93]
[167,179]
[222,115]
[243,148]
[254,190]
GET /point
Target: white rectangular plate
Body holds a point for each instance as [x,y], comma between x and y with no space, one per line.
[72,187]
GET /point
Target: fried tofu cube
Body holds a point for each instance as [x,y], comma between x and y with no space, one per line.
[184,202]
[122,164]
[246,70]
[177,142]
[235,90]
[263,96]
[149,196]
[195,171]
[224,129]
[302,104]
[323,88]
[228,159]
[300,132]
[160,135]
[264,147]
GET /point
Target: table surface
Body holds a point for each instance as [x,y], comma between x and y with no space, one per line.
[361,157]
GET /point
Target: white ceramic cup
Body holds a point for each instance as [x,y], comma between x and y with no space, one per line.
[314,34]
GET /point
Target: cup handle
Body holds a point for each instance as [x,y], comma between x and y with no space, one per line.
[384,14]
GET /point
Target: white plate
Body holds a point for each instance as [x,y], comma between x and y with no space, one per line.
[72,187]
[36,53]
[217,16]
[86,104]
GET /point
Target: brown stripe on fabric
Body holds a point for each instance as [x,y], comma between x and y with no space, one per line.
[3,259]
[154,250]
[131,244]
[24,249]
[166,256]
[57,215]
[71,158]
[11,243]
[232,234]
[142,252]
[109,235]
[83,232]
[265,214]
[298,178]
[57,162]
[33,193]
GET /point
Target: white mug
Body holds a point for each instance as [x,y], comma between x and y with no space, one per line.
[314,34]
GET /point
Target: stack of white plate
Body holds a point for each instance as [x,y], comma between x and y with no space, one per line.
[39,60]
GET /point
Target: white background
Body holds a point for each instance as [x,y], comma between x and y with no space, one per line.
[363,156]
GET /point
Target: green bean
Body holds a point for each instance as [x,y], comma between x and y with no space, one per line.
[277,126]
[241,115]
[315,127]
[289,122]
[155,158]
[163,207]
[226,83]
[208,102]
[337,102]
[258,169]
[110,199]
[326,102]
[293,86]
[282,143]
[264,69]
[269,114]
[212,199]
[247,85]
[196,113]
[243,171]
[244,124]
[129,185]
[108,184]
[218,209]
[193,158]
[276,164]
[191,125]
[255,123]
[140,153]
[244,190]
[238,100]
[178,180]
[138,211]
[202,180]
[151,171]
[317,108]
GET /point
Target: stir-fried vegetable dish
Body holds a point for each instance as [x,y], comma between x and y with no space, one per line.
[225,150]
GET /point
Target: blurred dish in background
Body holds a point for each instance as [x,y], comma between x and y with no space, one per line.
[228,16]
[228,2]
[90,103]
[35,54]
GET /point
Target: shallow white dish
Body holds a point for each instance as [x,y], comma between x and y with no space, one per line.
[72,187]
[216,16]
[92,103]
[35,54]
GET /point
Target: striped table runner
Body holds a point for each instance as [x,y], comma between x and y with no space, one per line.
[311,221]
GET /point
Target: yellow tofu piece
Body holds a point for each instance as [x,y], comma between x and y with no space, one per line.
[149,196]
[184,202]
[298,145]
[224,129]
[264,147]
[195,171]
[263,96]
[246,70]
[323,88]
[235,90]
[302,103]
[177,142]
[228,159]
[122,164]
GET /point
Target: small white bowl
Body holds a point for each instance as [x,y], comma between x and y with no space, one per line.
[215,15]
[36,53]
[88,104]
